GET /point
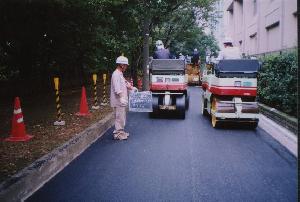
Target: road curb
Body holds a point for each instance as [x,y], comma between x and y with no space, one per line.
[24,183]
[279,117]
[280,134]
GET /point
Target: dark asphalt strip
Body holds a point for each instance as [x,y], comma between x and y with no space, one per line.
[178,160]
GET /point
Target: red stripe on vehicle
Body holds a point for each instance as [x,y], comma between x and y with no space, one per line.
[233,91]
[162,86]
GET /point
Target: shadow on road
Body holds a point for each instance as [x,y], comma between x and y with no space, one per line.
[235,126]
[165,115]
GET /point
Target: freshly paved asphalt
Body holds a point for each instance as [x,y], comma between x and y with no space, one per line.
[178,160]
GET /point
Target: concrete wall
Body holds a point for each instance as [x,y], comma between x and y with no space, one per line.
[261,26]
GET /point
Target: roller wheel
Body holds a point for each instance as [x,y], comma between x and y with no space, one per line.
[152,115]
[203,110]
[182,114]
[155,107]
[187,101]
[180,104]
[214,121]
[253,125]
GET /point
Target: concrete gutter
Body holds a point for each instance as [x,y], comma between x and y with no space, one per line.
[284,136]
[30,179]
[289,122]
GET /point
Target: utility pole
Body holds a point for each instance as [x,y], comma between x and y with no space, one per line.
[146,25]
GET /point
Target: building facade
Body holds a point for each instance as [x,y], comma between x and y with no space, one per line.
[261,26]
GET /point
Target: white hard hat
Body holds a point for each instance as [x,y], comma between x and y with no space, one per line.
[122,60]
[159,45]
[228,40]
[195,49]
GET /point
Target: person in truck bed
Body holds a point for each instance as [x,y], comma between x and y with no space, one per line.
[229,51]
[161,52]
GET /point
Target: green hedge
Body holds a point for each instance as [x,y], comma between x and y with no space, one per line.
[277,82]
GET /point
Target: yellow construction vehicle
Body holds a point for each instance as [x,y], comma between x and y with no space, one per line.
[193,74]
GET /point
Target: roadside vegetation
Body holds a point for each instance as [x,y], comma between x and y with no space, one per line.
[74,38]
[278,82]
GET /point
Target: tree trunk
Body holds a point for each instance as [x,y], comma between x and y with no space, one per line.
[146,53]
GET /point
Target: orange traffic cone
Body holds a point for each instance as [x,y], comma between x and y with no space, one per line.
[18,131]
[84,109]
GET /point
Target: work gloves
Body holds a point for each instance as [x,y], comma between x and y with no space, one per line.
[134,89]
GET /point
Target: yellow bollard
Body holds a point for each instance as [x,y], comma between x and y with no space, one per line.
[95,106]
[58,122]
[104,99]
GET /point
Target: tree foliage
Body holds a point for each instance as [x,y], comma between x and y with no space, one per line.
[73,38]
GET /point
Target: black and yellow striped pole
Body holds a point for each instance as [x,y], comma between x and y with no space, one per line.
[104,98]
[95,106]
[58,122]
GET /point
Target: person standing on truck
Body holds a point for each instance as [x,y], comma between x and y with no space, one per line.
[161,52]
[119,97]
[181,57]
[195,57]
[229,51]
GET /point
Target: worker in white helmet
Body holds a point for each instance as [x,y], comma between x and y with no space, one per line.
[181,56]
[195,57]
[229,51]
[119,97]
[161,52]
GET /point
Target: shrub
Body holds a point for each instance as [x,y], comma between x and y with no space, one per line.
[277,82]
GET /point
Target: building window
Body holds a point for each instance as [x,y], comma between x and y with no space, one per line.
[275,24]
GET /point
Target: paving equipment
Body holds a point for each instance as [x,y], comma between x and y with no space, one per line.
[168,86]
[229,92]
[193,74]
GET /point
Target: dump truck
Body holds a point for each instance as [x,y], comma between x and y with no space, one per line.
[168,86]
[229,92]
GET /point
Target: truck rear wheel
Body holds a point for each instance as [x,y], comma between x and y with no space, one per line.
[187,100]
[155,107]
[180,106]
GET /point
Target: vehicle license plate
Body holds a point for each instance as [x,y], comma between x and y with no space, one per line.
[167,107]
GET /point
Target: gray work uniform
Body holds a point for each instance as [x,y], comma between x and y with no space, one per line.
[230,53]
[119,87]
[162,54]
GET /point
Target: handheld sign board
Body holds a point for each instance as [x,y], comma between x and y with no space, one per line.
[140,101]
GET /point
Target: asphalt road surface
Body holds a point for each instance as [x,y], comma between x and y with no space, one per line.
[178,160]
